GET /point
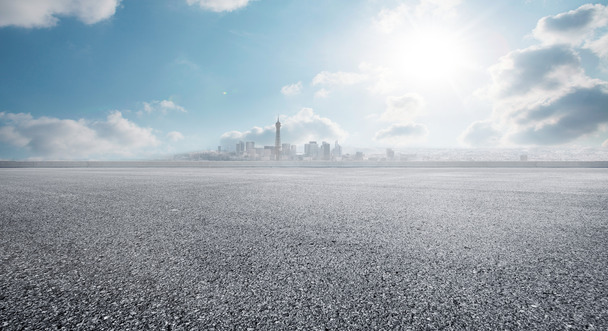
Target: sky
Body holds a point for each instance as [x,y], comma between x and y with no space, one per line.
[112,79]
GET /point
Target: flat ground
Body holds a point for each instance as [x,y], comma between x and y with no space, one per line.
[304,249]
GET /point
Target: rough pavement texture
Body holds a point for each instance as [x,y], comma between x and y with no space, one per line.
[303,249]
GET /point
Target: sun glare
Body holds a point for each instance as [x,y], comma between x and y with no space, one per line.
[430,55]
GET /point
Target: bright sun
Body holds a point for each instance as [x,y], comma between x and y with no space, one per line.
[430,55]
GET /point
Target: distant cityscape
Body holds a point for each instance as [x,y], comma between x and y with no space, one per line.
[324,151]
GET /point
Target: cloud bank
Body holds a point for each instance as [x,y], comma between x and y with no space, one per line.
[46,13]
[301,128]
[54,138]
[219,5]
[541,94]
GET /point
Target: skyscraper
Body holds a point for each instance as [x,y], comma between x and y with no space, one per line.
[277,140]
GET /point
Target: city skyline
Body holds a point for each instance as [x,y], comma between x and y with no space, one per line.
[112,79]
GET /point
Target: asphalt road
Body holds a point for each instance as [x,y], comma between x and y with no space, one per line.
[304,249]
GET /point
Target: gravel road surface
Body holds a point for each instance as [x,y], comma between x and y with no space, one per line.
[302,248]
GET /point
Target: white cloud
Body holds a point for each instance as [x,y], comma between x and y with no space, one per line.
[298,129]
[338,78]
[605,143]
[541,96]
[573,27]
[50,137]
[401,112]
[219,5]
[481,134]
[292,89]
[175,136]
[536,74]
[322,93]
[388,20]
[163,106]
[403,108]
[45,13]
[377,80]
[402,134]
[599,46]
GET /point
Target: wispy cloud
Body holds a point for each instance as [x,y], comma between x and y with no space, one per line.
[322,93]
[54,138]
[163,107]
[175,136]
[389,20]
[402,108]
[402,134]
[297,129]
[46,13]
[338,78]
[401,111]
[292,89]
[220,5]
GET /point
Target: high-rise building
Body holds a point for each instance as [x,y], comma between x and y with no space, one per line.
[250,149]
[286,150]
[277,140]
[240,148]
[337,151]
[390,154]
[325,151]
[294,150]
[311,150]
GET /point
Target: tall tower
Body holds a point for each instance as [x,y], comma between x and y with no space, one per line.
[277,140]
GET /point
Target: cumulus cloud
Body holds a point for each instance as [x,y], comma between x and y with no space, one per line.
[298,129]
[220,5]
[481,134]
[544,97]
[573,27]
[541,94]
[50,137]
[292,89]
[402,108]
[175,136]
[536,72]
[576,114]
[402,134]
[163,106]
[45,13]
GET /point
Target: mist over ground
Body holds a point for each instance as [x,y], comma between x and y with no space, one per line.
[303,248]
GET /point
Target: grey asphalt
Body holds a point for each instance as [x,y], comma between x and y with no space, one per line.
[301,248]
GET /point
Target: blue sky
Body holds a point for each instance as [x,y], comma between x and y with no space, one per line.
[111,79]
